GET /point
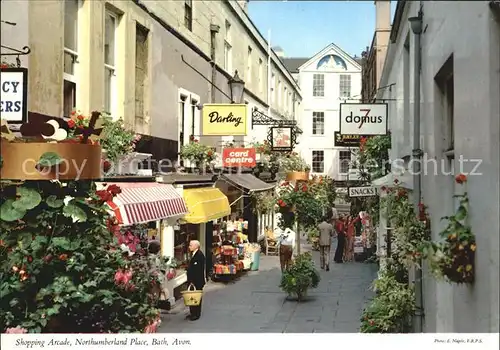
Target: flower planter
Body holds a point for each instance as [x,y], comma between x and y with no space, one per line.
[77,161]
[461,269]
[297,176]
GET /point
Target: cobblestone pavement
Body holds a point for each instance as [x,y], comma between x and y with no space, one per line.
[254,303]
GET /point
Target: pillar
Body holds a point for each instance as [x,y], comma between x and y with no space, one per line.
[209,229]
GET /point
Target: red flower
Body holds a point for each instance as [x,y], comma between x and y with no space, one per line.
[80,117]
[63,257]
[371,322]
[47,258]
[461,178]
[4,66]
[71,123]
[114,189]
[104,196]
[106,165]
[383,188]
[209,153]
[30,258]
[286,183]
[401,192]
[191,138]
[304,188]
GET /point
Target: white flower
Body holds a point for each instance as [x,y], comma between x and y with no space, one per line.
[67,199]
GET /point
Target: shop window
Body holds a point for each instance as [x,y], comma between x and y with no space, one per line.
[183,235]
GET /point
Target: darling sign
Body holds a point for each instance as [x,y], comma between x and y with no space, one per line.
[363,119]
[224,120]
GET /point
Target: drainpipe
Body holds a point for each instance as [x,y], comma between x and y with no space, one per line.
[416,24]
[214,29]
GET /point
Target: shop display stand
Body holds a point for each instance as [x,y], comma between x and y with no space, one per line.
[227,265]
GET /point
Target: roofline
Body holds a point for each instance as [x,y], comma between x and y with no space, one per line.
[254,31]
[326,48]
[398,17]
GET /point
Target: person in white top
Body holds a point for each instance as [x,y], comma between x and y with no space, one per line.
[286,244]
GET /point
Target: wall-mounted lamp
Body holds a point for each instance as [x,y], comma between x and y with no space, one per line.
[237,87]
[416,23]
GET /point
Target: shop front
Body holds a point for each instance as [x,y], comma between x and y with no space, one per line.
[239,189]
[206,206]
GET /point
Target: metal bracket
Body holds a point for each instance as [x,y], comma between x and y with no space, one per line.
[417,153]
[15,52]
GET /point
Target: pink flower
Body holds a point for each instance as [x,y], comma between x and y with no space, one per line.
[153,326]
[123,277]
[16,330]
[119,277]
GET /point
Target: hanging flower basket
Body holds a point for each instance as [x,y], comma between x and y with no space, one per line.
[297,176]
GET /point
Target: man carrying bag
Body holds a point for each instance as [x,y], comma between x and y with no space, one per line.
[196,276]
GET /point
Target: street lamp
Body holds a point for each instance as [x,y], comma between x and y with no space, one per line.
[237,86]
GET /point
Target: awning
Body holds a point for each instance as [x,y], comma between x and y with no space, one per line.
[404,180]
[248,182]
[205,204]
[141,202]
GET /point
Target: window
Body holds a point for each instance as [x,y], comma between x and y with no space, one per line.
[318,127]
[227,49]
[318,85]
[285,97]
[71,9]
[445,84]
[318,161]
[280,102]
[182,119]
[182,236]
[345,85]
[344,162]
[141,69]
[110,25]
[188,14]
[406,88]
[273,88]
[195,125]
[249,65]
[261,75]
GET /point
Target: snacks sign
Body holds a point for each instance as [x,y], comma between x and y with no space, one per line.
[238,157]
[224,120]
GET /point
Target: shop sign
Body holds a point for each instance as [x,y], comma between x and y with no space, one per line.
[238,157]
[224,120]
[14,95]
[363,119]
[366,191]
[281,138]
[352,140]
[341,190]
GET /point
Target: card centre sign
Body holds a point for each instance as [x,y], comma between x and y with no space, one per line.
[224,120]
[363,119]
[238,157]
[14,92]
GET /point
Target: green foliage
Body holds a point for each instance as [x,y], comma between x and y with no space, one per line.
[410,231]
[49,159]
[116,139]
[301,276]
[197,152]
[59,261]
[373,157]
[264,202]
[309,201]
[290,162]
[390,311]
[453,257]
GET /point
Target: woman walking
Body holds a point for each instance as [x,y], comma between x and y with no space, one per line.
[339,252]
[350,234]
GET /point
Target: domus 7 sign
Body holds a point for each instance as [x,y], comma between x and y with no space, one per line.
[363,119]
[224,119]
[238,157]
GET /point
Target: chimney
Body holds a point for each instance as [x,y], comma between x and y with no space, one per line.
[244,5]
[383,15]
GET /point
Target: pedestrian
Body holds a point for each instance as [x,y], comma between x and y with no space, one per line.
[286,244]
[335,215]
[349,239]
[326,232]
[339,252]
[196,275]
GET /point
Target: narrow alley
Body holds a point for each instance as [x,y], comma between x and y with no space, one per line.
[255,303]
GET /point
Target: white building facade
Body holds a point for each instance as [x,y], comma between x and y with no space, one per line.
[327,79]
[460,112]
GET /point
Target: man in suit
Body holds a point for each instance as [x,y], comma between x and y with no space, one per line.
[325,241]
[196,275]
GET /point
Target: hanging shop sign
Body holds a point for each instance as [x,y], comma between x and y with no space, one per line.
[366,191]
[282,138]
[14,95]
[363,119]
[224,120]
[347,140]
[239,157]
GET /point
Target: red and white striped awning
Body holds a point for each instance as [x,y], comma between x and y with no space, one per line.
[144,202]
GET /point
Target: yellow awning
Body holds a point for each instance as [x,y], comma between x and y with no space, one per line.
[205,204]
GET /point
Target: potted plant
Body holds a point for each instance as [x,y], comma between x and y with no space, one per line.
[198,154]
[295,167]
[454,257]
[300,277]
[264,202]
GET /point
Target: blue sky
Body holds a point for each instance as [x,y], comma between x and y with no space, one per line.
[302,28]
